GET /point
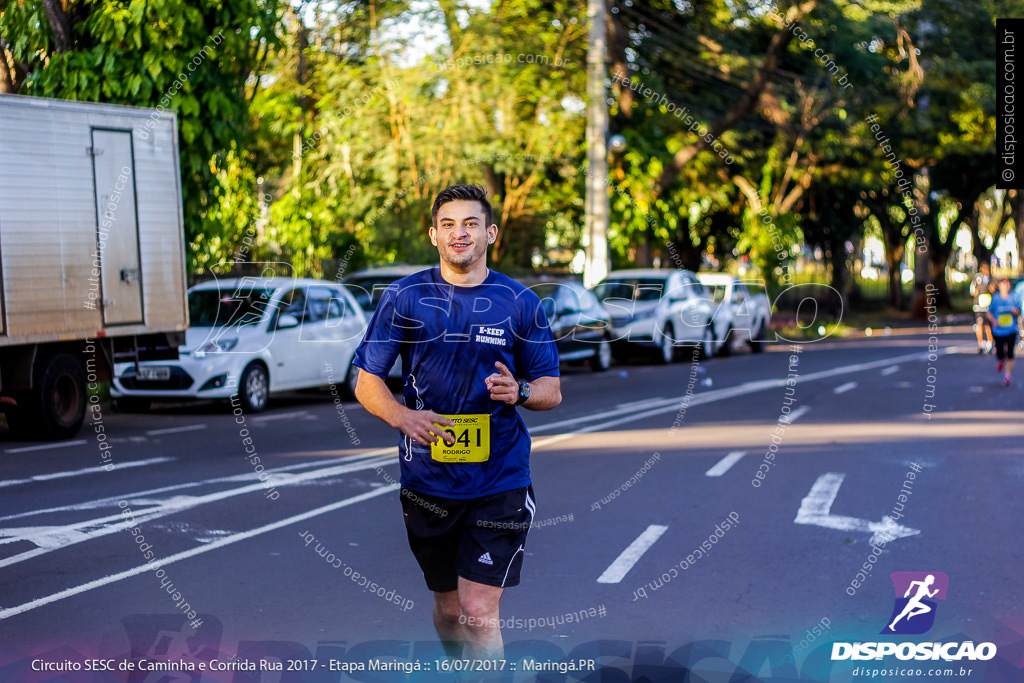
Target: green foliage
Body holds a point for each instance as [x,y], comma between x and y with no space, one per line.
[190,57]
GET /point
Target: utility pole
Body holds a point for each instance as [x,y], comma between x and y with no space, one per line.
[595,233]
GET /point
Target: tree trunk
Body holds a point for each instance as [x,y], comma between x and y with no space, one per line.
[840,279]
[938,258]
[894,261]
[1018,229]
[922,275]
[7,84]
[59,25]
[981,253]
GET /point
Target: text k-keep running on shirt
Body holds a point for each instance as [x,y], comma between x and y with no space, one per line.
[449,338]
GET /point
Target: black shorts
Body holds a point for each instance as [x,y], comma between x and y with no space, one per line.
[480,539]
[1004,344]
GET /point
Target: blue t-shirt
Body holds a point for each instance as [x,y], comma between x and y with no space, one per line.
[449,338]
[1002,309]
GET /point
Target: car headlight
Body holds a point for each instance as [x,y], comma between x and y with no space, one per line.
[218,346]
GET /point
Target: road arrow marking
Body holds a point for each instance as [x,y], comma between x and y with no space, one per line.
[816,506]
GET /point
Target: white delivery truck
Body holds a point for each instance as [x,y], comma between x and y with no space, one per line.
[92,263]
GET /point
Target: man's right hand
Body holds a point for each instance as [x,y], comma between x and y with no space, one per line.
[421,426]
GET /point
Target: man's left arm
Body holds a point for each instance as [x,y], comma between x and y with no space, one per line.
[545,392]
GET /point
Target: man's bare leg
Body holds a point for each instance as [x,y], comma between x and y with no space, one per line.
[482,634]
[447,623]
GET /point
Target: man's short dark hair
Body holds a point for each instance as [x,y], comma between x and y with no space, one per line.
[472,193]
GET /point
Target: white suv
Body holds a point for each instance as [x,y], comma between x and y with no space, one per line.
[658,308]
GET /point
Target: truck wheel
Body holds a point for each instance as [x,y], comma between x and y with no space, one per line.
[55,407]
[254,389]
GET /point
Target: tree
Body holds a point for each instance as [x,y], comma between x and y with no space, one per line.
[196,59]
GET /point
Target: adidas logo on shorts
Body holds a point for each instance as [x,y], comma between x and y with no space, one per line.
[486,559]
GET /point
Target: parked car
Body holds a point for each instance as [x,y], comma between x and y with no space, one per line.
[741,312]
[368,284]
[253,337]
[657,308]
[579,323]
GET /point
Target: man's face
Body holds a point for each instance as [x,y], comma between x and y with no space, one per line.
[1004,287]
[462,234]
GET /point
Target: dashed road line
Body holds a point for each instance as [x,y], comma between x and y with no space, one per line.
[796,414]
[278,416]
[843,388]
[85,470]
[723,465]
[46,446]
[174,430]
[618,569]
[892,369]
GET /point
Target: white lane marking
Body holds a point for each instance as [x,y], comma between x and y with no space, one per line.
[795,415]
[184,555]
[46,446]
[278,416]
[113,500]
[816,509]
[636,405]
[172,430]
[85,470]
[89,529]
[631,555]
[843,388]
[890,370]
[671,404]
[723,465]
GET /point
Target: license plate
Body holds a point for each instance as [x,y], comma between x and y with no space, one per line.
[472,435]
[154,372]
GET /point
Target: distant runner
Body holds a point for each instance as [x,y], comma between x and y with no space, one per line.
[1002,314]
[981,290]
[474,344]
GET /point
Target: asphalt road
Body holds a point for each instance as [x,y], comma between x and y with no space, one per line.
[635,470]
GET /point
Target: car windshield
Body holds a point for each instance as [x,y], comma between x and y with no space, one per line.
[717,292]
[636,288]
[219,308]
[368,290]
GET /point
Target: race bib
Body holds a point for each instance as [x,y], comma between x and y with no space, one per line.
[1005,320]
[472,435]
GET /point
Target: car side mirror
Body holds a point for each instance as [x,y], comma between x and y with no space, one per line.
[287,321]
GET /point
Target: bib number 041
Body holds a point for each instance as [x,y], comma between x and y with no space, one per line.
[472,434]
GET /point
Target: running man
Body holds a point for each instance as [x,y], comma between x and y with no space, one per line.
[914,606]
[981,290]
[474,345]
[1002,314]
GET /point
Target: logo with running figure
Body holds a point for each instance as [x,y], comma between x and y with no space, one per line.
[916,595]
